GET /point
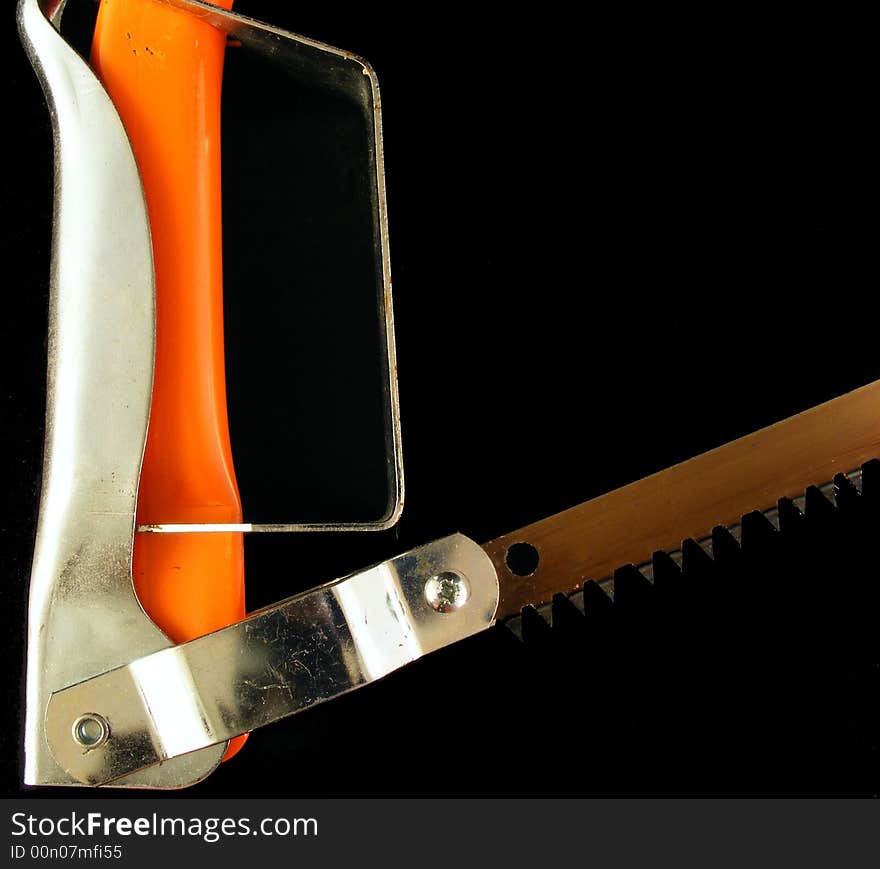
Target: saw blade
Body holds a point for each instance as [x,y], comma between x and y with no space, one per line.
[627,525]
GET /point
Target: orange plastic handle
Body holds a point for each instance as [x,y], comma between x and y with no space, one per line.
[163,70]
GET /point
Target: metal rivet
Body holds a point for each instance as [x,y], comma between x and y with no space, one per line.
[447,591]
[90,730]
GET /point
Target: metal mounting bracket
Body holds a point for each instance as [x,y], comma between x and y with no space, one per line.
[286,658]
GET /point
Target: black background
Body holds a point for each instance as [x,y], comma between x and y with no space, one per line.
[615,244]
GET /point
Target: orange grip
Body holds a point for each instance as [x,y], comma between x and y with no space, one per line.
[163,70]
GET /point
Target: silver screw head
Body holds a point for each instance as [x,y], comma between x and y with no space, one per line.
[90,730]
[447,592]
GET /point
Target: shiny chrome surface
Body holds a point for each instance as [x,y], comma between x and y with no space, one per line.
[448,591]
[332,69]
[83,616]
[284,659]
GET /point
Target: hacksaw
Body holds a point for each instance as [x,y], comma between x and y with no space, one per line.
[117,697]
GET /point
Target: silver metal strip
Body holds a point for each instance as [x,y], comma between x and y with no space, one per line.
[279,661]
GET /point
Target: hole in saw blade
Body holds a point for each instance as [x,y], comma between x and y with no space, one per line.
[522,559]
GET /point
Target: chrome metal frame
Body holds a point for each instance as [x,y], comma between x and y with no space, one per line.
[146,713]
[353,78]
[83,615]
